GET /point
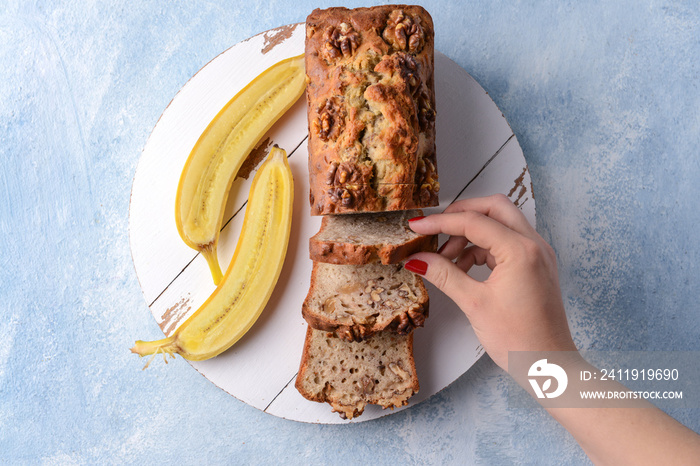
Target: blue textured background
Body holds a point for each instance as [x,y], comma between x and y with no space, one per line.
[603,98]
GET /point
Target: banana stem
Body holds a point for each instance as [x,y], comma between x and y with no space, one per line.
[167,346]
[213,260]
[144,348]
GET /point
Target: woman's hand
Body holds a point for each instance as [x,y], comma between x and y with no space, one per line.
[519,307]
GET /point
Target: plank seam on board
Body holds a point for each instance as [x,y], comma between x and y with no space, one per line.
[222,229]
[500,149]
[173,280]
[280,392]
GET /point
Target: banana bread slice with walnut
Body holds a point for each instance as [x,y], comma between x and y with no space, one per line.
[368,238]
[356,301]
[349,375]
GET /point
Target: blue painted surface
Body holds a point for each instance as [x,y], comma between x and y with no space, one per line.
[603,97]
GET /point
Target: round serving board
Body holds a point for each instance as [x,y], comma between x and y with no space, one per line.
[478,155]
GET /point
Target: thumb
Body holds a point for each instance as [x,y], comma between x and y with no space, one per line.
[445,275]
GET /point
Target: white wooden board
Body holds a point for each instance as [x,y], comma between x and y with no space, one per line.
[477,155]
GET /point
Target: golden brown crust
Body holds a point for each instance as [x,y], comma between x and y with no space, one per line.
[304,367]
[371,109]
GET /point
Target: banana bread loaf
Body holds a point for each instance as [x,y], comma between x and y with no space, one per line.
[356,301]
[350,375]
[371,109]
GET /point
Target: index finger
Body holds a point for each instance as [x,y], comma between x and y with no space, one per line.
[498,207]
[478,228]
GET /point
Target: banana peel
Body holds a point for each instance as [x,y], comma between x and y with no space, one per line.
[245,288]
[223,147]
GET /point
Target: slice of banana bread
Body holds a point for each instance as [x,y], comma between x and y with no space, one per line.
[356,301]
[368,238]
[350,375]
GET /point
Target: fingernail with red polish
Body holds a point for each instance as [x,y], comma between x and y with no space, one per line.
[416,266]
[416,218]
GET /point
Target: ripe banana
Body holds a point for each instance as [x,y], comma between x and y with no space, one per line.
[250,278]
[223,147]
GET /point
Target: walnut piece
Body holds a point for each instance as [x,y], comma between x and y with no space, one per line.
[342,195]
[408,67]
[329,305]
[330,175]
[426,179]
[426,174]
[417,318]
[331,119]
[405,292]
[367,386]
[404,32]
[398,370]
[376,294]
[404,326]
[426,114]
[344,173]
[340,41]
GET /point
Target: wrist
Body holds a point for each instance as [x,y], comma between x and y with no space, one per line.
[559,365]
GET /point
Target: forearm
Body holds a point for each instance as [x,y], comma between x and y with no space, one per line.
[629,435]
[638,433]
